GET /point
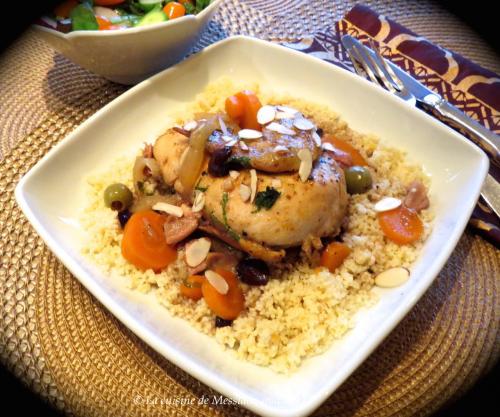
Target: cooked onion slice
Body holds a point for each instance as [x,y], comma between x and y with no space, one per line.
[144,168]
[192,162]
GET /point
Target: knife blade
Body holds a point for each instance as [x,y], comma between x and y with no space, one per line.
[446,112]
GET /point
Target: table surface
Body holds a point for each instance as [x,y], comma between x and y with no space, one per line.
[60,341]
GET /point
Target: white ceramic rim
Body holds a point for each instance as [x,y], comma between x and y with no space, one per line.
[221,385]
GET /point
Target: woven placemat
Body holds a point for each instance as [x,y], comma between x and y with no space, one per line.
[61,342]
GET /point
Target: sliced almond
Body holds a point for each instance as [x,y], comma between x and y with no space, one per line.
[393,277]
[386,204]
[327,146]
[189,126]
[243,146]
[266,114]
[217,281]
[245,192]
[287,109]
[303,124]
[317,139]
[227,138]
[305,167]
[249,134]
[276,127]
[253,184]
[284,115]
[197,251]
[169,209]
[232,143]
[234,174]
[276,183]
[280,149]
[198,201]
[223,127]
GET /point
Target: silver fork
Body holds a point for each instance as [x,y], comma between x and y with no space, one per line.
[376,68]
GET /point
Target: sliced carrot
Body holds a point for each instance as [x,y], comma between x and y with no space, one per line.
[227,306]
[191,287]
[252,106]
[357,158]
[235,107]
[334,255]
[104,24]
[143,243]
[64,9]
[401,225]
[243,108]
[174,10]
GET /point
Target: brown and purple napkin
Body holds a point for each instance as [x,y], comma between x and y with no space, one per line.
[472,89]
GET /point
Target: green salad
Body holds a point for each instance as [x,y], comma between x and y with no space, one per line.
[74,15]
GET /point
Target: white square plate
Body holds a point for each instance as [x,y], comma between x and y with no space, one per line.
[51,196]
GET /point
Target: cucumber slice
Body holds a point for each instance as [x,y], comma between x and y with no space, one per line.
[156,15]
[148,5]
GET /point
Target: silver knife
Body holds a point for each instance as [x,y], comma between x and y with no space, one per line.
[446,112]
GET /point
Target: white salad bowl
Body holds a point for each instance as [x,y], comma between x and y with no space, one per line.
[128,56]
[456,168]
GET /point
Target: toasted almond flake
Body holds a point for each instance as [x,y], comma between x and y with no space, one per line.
[386,204]
[197,251]
[280,148]
[249,134]
[253,184]
[276,127]
[276,183]
[303,124]
[234,174]
[232,143]
[169,209]
[189,126]
[287,109]
[284,115]
[243,146]
[393,277]
[328,147]
[266,114]
[228,184]
[317,139]
[305,164]
[223,127]
[198,201]
[245,192]
[217,281]
[227,138]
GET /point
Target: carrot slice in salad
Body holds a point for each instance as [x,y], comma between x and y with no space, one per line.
[227,306]
[401,225]
[191,287]
[334,255]
[143,243]
[357,158]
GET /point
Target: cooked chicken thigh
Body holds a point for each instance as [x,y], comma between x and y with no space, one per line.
[310,209]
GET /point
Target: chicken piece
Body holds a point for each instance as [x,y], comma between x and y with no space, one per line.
[274,152]
[168,150]
[313,208]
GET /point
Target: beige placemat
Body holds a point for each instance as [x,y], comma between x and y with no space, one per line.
[58,339]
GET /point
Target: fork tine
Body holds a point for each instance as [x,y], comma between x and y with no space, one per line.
[390,74]
[358,60]
[376,68]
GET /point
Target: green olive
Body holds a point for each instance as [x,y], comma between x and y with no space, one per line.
[358,179]
[118,197]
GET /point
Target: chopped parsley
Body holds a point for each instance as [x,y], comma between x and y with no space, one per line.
[202,189]
[266,199]
[225,199]
[238,162]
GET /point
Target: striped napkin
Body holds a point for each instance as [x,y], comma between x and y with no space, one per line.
[474,90]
